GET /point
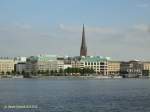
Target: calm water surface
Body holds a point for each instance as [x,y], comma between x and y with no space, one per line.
[122,95]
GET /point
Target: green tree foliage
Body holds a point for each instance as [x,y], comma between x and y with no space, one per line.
[8,73]
[52,72]
[83,72]
[23,72]
[3,73]
[13,72]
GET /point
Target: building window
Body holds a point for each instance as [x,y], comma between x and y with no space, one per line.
[85,63]
[102,63]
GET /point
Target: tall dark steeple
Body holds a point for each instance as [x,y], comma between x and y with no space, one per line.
[83,49]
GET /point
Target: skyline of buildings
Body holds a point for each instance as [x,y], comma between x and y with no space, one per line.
[104,66]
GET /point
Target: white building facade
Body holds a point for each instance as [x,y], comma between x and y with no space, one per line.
[97,63]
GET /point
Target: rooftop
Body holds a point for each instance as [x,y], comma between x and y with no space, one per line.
[94,58]
[42,58]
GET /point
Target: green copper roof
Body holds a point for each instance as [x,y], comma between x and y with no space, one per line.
[32,58]
[94,59]
[43,58]
[46,57]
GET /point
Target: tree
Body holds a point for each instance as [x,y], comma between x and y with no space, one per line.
[46,73]
[26,75]
[39,72]
[52,72]
[18,73]
[33,73]
[91,71]
[42,72]
[3,72]
[23,72]
[13,72]
[8,72]
[61,72]
[68,70]
[55,72]
[82,71]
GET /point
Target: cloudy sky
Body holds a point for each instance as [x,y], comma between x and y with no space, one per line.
[115,28]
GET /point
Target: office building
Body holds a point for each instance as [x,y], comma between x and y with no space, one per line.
[114,68]
[131,68]
[6,65]
[97,63]
[146,68]
[41,63]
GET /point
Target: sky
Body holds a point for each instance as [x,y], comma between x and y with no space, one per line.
[119,29]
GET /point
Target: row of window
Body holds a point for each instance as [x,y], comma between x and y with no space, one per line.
[94,63]
[94,66]
[134,70]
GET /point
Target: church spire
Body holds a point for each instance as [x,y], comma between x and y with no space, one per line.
[83,49]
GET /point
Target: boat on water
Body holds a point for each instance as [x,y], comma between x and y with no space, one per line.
[103,77]
[108,77]
[117,77]
[18,77]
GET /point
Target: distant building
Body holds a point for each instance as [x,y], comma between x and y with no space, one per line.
[41,63]
[114,67]
[146,69]
[20,67]
[83,49]
[97,63]
[60,63]
[20,64]
[6,65]
[68,62]
[76,62]
[131,69]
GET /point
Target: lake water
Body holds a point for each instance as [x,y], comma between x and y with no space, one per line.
[35,95]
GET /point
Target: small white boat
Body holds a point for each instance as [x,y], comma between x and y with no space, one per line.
[117,77]
[103,77]
[18,77]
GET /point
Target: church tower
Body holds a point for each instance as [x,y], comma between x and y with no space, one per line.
[83,49]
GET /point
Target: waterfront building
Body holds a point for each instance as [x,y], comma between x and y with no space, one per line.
[60,63]
[83,49]
[98,63]
[20,64]
[146,69]
[41,63]
[75,63]
[31,64]
[114,67]
[20,67]
[131,68]
[68,62]
[6,65]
